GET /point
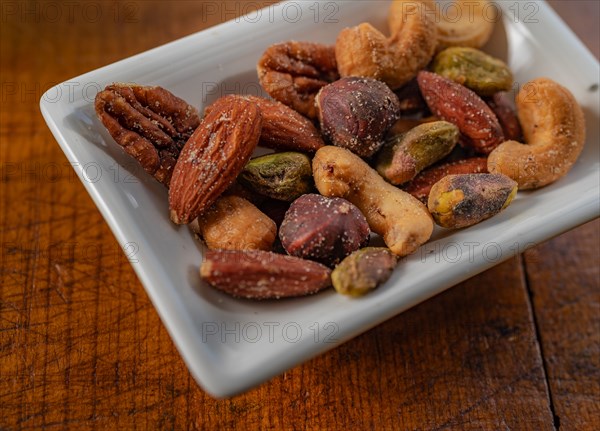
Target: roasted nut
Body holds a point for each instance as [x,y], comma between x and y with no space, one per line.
[283,128]
[356,113]
[463,200]
[233,223]
[460,106]
[365,51]
[405,155]
[294,72]
[283,176]
[402,221]
[275,210]
[471,26]
[323,229]
[411,100]
[363,271]
[554,130]
[501,105]
[474,69]
[150,123]
[256,274]
[403,125]
[213,157]
[422,184]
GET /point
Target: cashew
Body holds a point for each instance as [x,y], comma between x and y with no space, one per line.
[233,223]
[465,23]
[365,51]
[554,131]
[402,220]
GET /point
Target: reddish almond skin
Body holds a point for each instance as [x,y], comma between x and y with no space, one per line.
[256,274]
[502,107]
[213,157]
[459,105]
[422,184]
[286,129]
[283,128]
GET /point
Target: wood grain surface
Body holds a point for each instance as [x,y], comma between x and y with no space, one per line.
[81,346]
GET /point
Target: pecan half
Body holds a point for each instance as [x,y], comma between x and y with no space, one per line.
[294,72]
[149,122]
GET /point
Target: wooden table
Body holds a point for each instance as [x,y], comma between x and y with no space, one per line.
[81,346]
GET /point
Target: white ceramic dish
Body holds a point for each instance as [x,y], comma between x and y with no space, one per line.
[231,345]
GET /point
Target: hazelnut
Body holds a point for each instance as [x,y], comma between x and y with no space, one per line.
[356,113]
[323,229]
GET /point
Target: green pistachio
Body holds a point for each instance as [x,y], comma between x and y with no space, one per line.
[474,69]
[458,201]
[282,176]
[407,154]
[363,271]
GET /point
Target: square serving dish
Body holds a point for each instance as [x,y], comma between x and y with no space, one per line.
[231,345]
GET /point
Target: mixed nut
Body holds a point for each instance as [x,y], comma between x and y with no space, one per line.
[375,135]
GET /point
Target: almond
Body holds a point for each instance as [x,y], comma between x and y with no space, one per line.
[284,128]
[465,109]
[213,157]
[256,274]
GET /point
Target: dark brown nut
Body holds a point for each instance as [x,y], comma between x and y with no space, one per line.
[257,274]
[458,201]
[356,113]
[474,69]
[283,176]
[411,100]
[294,72]
[422,184]
[274,209]
[149,122]
[323,229]
[213,157]
[363,271]
[283,128]
[460,106]
[404,156]
[507,116]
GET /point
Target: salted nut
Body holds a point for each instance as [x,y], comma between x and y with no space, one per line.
[149,122]
[405,155]
[282,176]
[294,72]
[323,229]
[213,157]
[421,185]
[474,69]
[458,201]
[365,51]
[356,113]
[462,107]
[233,223]
[363,271]
[465,23]
[554,130]
[402,221]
